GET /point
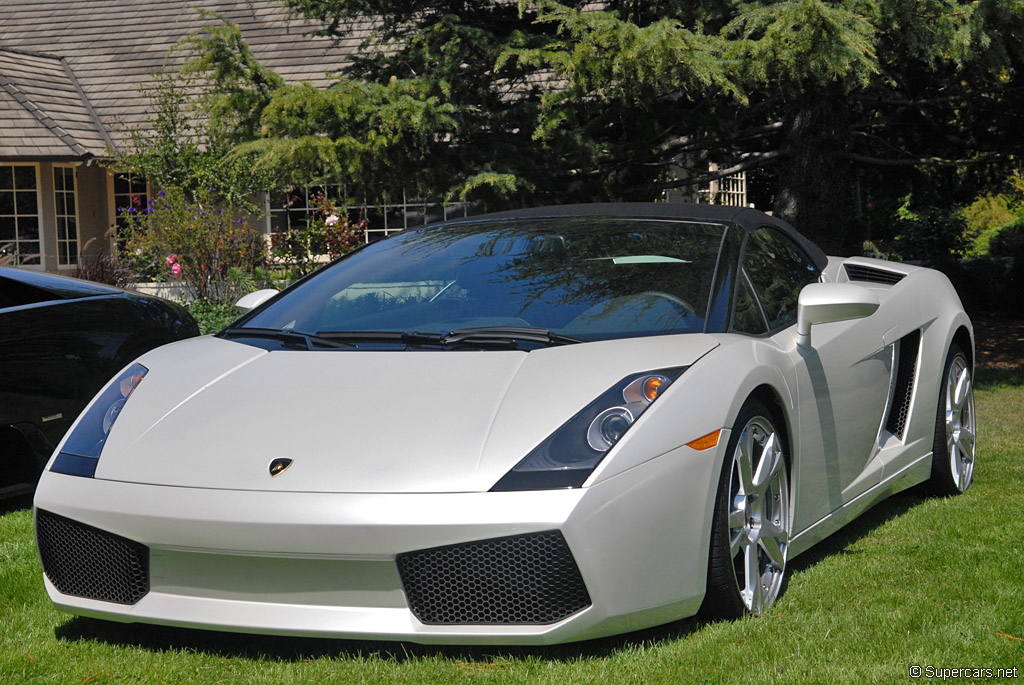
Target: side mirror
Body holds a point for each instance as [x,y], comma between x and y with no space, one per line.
[828,302]
[249,302]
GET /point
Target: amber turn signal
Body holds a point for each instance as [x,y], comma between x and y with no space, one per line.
[706,442]
[651,387]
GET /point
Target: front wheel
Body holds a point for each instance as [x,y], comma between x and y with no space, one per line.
[955,428]
[752,523]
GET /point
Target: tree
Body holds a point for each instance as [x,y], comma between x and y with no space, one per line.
[534,102]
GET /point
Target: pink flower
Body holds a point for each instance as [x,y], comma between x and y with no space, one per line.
[176,269]
[172,259]
[331,219]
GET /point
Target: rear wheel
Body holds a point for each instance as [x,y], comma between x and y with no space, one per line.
[954,446]
[752,523]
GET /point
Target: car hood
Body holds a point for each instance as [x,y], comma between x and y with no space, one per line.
[214,413]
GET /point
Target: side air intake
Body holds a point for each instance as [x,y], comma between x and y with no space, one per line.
[869,274]
[906,366]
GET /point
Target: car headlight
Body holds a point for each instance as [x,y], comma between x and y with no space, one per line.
[568,456]
[81,451]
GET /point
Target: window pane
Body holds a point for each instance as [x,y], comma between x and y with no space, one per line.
[29,252]
[69,201]
[6,202]
[25,177]
[28,228]
[779,269]
[27,203]
[6,177]
[748,315]
[6,229]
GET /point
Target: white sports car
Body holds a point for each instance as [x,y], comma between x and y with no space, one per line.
[529,427]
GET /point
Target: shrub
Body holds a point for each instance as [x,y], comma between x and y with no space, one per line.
[212,316]
[107,268]
[929,234]
[328,232]
[197,242]
[1008,241]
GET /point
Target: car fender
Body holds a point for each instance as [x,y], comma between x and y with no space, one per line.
[707,397]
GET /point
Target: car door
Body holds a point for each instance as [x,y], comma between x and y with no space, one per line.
[841,383]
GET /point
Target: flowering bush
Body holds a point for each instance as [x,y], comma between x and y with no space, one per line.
[327,233]
[199,243]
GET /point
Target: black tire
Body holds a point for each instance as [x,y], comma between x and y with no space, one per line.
[762,539]
[953,448]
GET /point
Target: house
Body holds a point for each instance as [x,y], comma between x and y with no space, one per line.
[71,78]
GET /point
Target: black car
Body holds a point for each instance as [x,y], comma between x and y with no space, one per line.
[61,340]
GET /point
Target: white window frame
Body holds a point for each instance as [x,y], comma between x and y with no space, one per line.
[57,216]
[38,215]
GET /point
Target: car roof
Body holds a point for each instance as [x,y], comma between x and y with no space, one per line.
[61,287]
[745,217]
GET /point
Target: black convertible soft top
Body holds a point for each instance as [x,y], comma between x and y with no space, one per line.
[744,217]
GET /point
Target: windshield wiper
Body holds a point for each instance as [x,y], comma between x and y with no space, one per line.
[310,340]
[506,335]
[409,338]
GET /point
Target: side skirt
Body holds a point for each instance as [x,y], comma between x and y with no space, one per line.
[911,475]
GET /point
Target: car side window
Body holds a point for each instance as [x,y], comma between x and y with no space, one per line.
[749,318]
[778,270]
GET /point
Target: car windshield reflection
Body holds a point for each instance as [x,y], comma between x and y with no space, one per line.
[585,279]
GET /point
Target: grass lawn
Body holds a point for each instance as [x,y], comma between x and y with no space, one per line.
[927,582]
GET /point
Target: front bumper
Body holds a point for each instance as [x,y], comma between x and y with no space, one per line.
[318,564]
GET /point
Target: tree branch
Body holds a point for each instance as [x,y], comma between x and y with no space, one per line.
[918,161]
[751,160]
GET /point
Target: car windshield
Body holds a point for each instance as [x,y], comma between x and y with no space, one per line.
[586,278]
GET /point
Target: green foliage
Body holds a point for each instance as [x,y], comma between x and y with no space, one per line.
[198,242]
[539,101]
[243,85]
[212,316]
[985,216]
[1008,241]
[367,134]
[806,45]
[176,150]
[930,234]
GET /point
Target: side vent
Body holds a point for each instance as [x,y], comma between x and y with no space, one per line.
[899,410]
[869,274]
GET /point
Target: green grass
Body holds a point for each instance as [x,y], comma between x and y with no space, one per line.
[916,581]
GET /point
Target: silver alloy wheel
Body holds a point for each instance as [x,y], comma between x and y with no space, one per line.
[759,517]
[960,425]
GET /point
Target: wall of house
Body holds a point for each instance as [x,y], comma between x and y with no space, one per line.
[94,220]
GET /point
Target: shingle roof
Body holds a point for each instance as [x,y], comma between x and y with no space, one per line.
[44,112]
[111,48]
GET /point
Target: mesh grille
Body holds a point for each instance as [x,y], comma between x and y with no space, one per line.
[83,561]
[524,579]
[899,412]
[859,272]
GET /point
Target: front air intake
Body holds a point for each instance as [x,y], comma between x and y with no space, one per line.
[83,561]
[523,579]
